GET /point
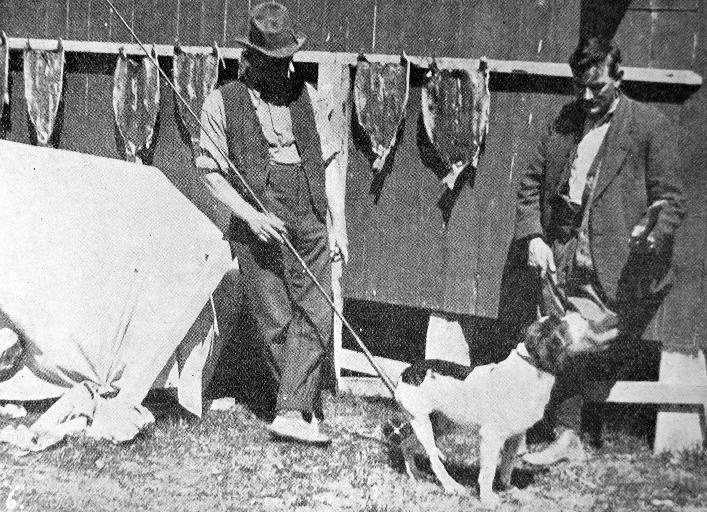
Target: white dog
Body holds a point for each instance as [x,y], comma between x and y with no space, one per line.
[504,399]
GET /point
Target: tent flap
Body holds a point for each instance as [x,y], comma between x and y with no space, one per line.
[106,267]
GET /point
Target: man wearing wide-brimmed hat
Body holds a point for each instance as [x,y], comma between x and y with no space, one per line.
[265,124]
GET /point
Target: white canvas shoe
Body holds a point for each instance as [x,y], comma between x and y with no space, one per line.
[567,447]
[290,426]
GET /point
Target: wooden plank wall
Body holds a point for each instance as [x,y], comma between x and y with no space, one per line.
[466,267]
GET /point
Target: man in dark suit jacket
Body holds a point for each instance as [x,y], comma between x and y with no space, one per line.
[598,207]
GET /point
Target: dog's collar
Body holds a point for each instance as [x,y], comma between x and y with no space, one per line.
[523,353]
[532,359]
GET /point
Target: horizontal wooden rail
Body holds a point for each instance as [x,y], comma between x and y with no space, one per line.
[548,69]
[363,386]
[356,361]
[620,392]
[650,392]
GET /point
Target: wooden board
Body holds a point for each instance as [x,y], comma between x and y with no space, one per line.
[521,70]
[505,31]
[148,26]
[116,30]
[357,362]
[55,18]
[682,428]
[98,26]
[79,17]
[235,21]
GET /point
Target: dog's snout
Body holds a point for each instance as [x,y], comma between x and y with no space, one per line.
[396,430]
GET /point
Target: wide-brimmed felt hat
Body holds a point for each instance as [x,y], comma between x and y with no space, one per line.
[271,31]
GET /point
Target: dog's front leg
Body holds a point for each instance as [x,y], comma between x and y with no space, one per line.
[508,454]
[423,431]
[489,447]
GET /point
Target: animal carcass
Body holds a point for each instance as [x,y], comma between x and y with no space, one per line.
[455,112]
[194,76]
[381,94]
[44,77]
[136,104]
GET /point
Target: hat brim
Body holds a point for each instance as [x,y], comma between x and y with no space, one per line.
[279,53]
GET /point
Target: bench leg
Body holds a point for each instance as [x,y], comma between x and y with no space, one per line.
[338,327]
[445,340]
[681,427]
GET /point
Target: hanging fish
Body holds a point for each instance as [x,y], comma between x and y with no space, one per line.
[381,94]
[44,78]
[4,73]
[455,112]
[136,104]
[194,76]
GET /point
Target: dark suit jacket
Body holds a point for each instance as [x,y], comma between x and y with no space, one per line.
[640,165]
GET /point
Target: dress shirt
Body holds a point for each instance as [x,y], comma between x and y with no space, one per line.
[587,150]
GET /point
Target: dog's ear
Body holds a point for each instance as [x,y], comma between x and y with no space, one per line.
[557,346]
[540,329]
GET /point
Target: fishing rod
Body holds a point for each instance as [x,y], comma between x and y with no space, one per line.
[381,373]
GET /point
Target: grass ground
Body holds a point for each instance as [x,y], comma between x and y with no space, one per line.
[226,461]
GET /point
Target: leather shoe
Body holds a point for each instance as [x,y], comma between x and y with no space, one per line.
[291,426]
[567,447]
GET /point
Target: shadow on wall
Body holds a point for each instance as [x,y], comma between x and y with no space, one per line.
[601,17]
[388,330]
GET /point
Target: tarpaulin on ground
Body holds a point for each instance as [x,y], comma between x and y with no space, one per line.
[105,268]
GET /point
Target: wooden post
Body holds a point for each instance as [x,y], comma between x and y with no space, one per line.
[681,427]
[446,340]
[331,105]
[337,333]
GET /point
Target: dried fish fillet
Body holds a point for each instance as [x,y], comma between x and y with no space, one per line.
[194,76]
[136,104]
[381,94]
[455,112]
[44,77]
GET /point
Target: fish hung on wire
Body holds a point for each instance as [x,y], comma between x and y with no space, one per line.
[194,76]
[44,79]
[136,105]
[381,94]
[455,112]
[4,73]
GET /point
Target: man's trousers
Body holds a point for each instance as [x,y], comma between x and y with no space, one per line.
[293,320]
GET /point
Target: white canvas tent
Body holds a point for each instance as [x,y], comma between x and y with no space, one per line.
[106,272]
